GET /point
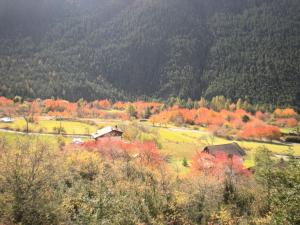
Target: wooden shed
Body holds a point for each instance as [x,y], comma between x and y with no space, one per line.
[109,131]
[229,149]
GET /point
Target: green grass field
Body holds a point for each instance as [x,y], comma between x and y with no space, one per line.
[287,130]
[52,140]
[183,143]
[47,126]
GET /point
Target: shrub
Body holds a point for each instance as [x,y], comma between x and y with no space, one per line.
[28,175]
[292,122]
[59,130]
[41,130]
[294,139]
[61,142]
[185,162]
[245,119]
[219,165]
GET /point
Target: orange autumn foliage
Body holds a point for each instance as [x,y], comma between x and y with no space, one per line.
[260,130]
[286,122]
[189,116]
[175,115]
[5,101]
[55,105]
[208,117]
[260,116]
[224,122]
[161,118]
[120,105]
[285,113]
[102,104]
[292,122]
[60,108]
[63,114]
[7,107]
[144,105]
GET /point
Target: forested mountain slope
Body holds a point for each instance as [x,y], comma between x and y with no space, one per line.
[158,48]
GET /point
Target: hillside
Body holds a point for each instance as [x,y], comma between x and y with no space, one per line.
[123,49]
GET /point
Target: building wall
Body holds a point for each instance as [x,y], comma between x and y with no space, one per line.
[114,134]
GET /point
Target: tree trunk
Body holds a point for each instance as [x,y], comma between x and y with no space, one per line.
[27,126]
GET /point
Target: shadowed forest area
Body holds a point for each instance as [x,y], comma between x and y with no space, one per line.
[124,49]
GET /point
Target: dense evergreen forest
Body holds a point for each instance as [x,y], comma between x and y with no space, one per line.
[123,49]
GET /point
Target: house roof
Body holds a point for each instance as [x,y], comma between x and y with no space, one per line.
[232,149]
[104,131]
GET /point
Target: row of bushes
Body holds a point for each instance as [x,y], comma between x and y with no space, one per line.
[41,185]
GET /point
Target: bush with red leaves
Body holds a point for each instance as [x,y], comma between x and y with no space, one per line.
[219,165]
[114,149]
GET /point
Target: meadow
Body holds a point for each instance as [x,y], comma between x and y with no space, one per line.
[178,128]
[183,143]
[177,143]
[48,126]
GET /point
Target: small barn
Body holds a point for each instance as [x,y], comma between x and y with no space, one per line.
[232,149]
[109,131]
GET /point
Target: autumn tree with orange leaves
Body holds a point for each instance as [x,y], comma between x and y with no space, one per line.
[7,107]
[285,113]
[260,130]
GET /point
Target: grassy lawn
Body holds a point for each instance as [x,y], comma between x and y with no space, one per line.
[47,126]
[179,136]
[69,126]
[183,143]
[179,169]
[52,140]
[287,130]
[177,143]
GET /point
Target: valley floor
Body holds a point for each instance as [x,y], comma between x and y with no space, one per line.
[177,143]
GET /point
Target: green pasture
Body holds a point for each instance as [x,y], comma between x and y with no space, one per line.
[47,126]
[183,143]
[287,130]
[176,143]
[12,138]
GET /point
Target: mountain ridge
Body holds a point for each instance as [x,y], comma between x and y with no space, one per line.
[126,49]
